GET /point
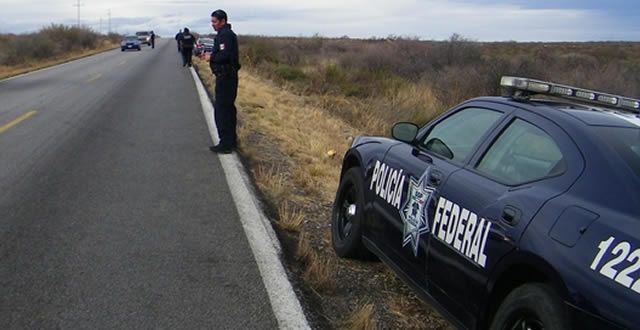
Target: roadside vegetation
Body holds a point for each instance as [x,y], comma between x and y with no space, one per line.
[301,102]
[51,45]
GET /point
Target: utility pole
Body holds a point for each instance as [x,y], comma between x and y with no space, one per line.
[78,5]
[100,25]
[109,14]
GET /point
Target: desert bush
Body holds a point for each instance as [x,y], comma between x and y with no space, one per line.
[289,73]
[400,78]
[49,42]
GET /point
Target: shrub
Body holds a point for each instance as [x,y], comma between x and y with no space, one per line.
[289,73]
[50,42]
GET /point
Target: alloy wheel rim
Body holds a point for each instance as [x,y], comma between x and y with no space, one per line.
[348,210]
[526,321]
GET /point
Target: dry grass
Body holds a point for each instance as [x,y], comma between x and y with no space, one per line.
[304,133]
[304,172]
[304,251]
[272,181]
[362,318]
[14,70]
[321,273]
[290,217]
[406,312]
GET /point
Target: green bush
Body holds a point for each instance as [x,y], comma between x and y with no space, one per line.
[289,73]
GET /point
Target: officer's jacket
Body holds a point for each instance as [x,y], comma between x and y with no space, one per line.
[187,40]
[225,58]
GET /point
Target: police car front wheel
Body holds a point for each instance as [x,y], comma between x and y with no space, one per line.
[347,217]
[532,306]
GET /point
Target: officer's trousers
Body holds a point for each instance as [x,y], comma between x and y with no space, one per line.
[186,56]
[225,109]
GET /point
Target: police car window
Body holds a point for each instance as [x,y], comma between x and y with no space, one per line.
[626,143]
[454,137]
[522,153]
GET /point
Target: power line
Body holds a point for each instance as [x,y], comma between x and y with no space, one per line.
[78,5]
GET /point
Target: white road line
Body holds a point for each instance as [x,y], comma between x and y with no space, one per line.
[262,239]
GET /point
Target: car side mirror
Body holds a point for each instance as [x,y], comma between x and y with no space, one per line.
[405,132]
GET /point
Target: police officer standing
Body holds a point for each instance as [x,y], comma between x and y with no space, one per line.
[153,40]
[224,63]
[186,44]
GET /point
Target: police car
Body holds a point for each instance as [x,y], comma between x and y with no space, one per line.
[515,212]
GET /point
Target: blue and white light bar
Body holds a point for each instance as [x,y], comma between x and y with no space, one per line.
[532,86]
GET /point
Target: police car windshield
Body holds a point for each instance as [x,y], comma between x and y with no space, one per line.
[142,33]
[626,143]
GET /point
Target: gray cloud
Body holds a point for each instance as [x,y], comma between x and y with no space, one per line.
[428,19]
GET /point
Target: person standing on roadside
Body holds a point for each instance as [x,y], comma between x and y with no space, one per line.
[224,62]
[178,37]
[153,40]
[186,44]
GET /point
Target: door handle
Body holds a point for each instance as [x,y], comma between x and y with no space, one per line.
[421,155]
[435,178]
[511,215]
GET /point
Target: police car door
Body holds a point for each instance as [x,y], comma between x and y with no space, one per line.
[449,142]
[484,208]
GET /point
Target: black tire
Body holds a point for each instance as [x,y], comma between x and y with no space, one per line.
[531,306]
[122,49]
[346,227]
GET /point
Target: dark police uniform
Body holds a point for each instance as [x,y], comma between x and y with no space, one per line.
[153,40]
[178,38]
[186,42]
[225,64]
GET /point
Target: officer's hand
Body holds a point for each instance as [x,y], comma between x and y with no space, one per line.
[205,56]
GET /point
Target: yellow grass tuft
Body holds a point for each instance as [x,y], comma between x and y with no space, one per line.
[304,251]
[290,217]
[320,273]
[406,312]
[272,181]
[362,318]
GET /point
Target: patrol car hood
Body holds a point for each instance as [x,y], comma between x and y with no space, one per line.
[361,140]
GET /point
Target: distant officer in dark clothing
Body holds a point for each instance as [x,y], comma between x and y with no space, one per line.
[153,40]
[178,38]
[225,64]
[186,44]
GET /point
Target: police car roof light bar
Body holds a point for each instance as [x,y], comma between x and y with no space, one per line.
[523,87]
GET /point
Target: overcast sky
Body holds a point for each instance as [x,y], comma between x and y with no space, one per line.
[484,20]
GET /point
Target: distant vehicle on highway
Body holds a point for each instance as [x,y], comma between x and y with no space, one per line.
[515,212]
[130,42]
[203,45]
[144,37]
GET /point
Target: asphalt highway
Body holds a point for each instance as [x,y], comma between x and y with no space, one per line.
[113,212]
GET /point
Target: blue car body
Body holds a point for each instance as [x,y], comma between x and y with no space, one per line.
[130,42]
[464,232]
